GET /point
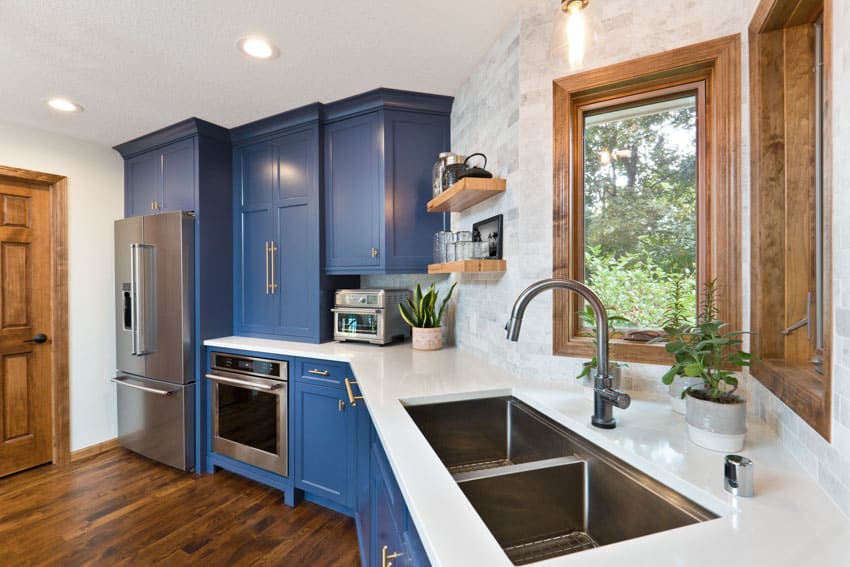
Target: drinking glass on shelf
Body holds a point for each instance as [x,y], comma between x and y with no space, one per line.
[464,249]
[440,240]
[463,236]
[451,251]
[481,250]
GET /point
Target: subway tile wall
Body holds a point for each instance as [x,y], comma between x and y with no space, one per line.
[505,110]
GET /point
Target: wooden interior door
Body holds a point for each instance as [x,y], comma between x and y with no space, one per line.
[26,428]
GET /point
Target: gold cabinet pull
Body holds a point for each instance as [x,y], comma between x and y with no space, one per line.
[318,372]
[267,267]
[352,399]
[341,405]
[386,557]
[374,252]
[272,251]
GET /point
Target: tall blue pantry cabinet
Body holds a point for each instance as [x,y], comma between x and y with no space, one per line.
[186,166]
[280,289]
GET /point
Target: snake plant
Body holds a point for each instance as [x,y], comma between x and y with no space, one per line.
[421,309]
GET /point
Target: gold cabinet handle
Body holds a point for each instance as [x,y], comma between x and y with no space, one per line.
[374,252]
[352,399]
[341,405]
[272,251]
[385,557]
[267,267]
[318,372]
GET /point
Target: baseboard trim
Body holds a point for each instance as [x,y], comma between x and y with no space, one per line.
[93,450]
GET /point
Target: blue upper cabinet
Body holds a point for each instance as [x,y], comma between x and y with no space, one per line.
[161,179]
[279,288]
[379,150]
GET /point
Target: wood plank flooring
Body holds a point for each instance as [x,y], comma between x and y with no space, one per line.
[119,509]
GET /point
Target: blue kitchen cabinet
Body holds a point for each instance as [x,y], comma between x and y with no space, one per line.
[379,148]
[280,291]
[324,445]
[389,523]
[325,431]
[161,179]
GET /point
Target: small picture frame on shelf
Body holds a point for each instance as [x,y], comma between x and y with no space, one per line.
[490,231]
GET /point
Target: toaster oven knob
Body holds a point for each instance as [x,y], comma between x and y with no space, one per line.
[362,300]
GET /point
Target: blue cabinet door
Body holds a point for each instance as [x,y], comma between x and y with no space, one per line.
[353,194]
[412,142]
[178,176]
[142,184]
[255,309]
[324,443]
[387,535]
[277,293]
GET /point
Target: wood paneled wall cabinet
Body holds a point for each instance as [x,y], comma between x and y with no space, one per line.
[790,123]
[187,166]
[379,148]
[710,73]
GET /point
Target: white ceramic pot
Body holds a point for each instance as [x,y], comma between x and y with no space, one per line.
[427,338]
[715,426]
[679,385]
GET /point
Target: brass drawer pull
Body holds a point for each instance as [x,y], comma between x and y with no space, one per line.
[318,372]
[352,399]
[267,268]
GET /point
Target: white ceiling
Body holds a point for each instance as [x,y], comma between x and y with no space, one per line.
[138,65]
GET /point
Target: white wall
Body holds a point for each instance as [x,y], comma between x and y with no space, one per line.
[95,200]
[505,110]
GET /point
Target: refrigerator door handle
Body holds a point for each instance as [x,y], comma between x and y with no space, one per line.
[142,301]
[158,392]
[134,303]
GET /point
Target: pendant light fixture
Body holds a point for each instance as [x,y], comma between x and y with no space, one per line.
[569,35]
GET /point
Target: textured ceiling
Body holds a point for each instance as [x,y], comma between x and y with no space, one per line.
[139,65]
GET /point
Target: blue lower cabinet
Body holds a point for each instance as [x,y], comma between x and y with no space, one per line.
[324,445]
[387,536]
[391,536]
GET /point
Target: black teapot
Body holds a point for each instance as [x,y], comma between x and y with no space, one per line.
[457,171]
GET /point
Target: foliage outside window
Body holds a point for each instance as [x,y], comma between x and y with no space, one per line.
[646,203]
[640,207]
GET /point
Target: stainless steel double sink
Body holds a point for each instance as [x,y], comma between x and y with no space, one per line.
[542,490]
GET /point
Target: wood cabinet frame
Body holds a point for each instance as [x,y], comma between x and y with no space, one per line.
[783,162]
[714,64]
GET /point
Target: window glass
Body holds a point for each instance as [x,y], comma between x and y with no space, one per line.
[640,207]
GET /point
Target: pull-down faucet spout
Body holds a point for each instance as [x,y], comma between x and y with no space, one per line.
[604,396]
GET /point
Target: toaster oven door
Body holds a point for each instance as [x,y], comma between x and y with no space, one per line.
[359,324]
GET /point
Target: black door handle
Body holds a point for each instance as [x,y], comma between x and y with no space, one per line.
[38,339]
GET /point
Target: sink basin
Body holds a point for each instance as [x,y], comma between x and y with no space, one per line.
[542,490]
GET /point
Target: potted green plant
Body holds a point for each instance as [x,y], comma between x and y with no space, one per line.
[678,320]
[615,369]
[716,415]
[424,319]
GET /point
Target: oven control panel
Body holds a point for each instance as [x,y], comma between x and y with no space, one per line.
[249,365]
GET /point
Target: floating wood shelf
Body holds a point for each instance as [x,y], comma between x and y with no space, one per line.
[465,193]
[468,266]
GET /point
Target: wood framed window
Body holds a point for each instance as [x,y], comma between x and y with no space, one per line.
[646,189]
[789,81]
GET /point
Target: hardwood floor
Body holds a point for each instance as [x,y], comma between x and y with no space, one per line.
[121,509]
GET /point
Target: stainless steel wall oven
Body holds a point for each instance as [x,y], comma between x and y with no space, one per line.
[249,406]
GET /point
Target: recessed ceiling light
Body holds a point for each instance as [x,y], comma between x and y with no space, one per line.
[258,48]
[64,105]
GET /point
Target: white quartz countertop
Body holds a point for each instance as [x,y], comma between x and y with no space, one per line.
[790,521]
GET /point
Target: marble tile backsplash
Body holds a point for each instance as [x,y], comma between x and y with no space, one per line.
[505,110]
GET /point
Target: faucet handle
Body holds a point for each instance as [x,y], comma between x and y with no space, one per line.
[615,397]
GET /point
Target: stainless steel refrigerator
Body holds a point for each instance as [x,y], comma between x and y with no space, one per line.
[154,283]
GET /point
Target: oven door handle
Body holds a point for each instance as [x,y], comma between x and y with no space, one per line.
[246,384]
[356,310]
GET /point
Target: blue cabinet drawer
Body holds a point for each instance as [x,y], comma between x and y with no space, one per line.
[324,373]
